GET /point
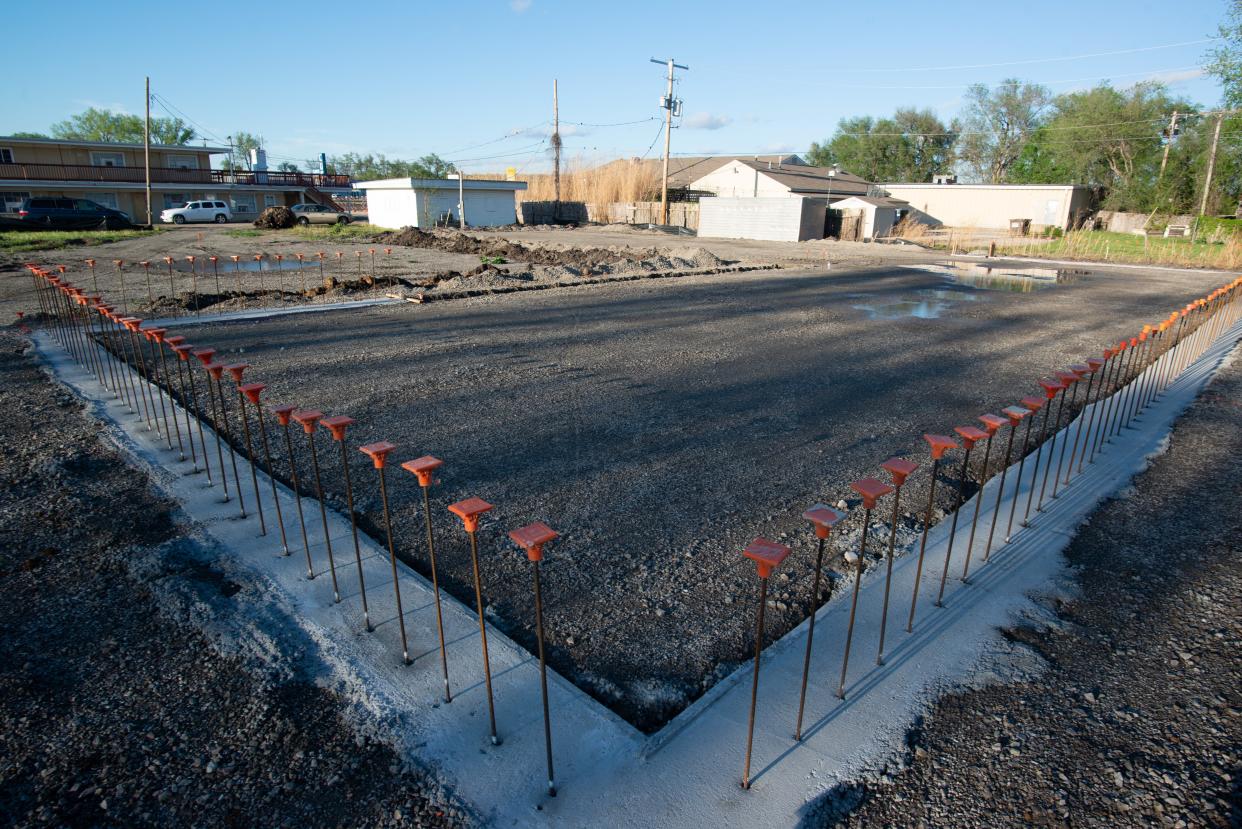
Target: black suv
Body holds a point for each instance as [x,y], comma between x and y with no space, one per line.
[70,214]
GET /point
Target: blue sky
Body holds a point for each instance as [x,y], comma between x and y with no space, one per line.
[472,80]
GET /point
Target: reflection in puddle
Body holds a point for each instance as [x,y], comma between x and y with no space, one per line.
[1019,280]
[927,310]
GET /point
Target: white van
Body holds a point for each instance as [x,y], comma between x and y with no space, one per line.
[198,211]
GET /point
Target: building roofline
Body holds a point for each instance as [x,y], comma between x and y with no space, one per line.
[71,142]
[929,185]
[438,184]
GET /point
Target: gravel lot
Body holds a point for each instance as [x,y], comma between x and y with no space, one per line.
[400,272]
[661,425]
[1138,720]
[115,708]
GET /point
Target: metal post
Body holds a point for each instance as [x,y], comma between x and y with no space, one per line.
[204,356]
[823,519]
[424,468]
[337,425]
[1079,371]
[767,556]
[970,435]
[899,469]
[236,370]
[283,414]
[532,538]
[991,424]
[469,511]
[214,371]
[252,392]
[308,418]
[378,453]
[871,490]
[939,445]
[1067,380]
[1015,415]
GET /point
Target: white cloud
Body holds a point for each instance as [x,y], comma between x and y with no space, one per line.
[1178,75]
[706,121]
[519,6]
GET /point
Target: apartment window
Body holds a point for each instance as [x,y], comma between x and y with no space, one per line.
[107,159]
[269,200]
[106,199]
[6,155]
[175,200]
[244,203]
[181,162]
[11,200]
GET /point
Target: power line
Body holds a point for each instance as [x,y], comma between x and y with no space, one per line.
[1036,60]
[1041,83]
[168,107]
[617,124]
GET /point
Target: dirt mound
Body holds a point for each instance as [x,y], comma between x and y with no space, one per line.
[276,218]
[588,260]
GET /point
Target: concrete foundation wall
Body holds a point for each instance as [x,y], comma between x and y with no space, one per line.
[779,219]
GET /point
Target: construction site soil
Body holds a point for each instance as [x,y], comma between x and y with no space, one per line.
[122,701]
[661,425]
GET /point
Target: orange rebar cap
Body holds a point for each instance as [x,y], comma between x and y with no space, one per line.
[1015,414]
[871,490]
[377,452]
[1050,388]
[1094,363]
[423,467]
[532,537]
[174,340]
[823,518]
[215,369]
[1032,403]
[900,469]
[204,355]
[991,423]
[308,418]
[469,511]
[767,555]
[1080,370]
[283,413]
[970,435]
[337,425]
[1067,377]
[252,391]
[940,444]
[237,369]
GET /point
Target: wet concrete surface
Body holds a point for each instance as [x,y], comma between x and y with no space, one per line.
[662,425]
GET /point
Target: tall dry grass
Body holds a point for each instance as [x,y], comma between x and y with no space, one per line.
[624,180]
[1102,246]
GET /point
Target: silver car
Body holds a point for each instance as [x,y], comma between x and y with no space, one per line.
[318,214]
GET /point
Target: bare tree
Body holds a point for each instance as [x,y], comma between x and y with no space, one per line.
[996,124]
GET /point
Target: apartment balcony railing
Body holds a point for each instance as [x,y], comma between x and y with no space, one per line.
[165,175]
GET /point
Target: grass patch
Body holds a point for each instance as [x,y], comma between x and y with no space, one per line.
[350,231]
[1217,250]
[20,241]
[244,232]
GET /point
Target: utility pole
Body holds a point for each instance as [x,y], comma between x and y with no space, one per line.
[1207,185]
[556,154]
[1169,143]
[671,107]
[146,150]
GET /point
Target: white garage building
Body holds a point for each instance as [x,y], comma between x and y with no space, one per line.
[994,205]
[421,202]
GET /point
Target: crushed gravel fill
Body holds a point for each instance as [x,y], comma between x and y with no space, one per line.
[115,709]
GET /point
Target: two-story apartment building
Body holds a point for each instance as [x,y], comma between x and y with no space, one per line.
[113,175]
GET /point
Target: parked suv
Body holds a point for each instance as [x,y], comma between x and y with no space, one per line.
[71,214]
[309,213]
[198,211]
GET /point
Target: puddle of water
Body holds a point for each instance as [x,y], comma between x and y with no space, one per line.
[926,310]
[1017,280]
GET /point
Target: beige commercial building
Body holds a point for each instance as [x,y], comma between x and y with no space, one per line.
[114,175]
[995,205]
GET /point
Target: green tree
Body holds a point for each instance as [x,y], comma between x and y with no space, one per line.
[1104,137]
[287,167]
[106,125]
[1225,61]
[995,126]
[913,145]
[243,143]
[24,134]
[379,166]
